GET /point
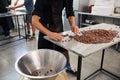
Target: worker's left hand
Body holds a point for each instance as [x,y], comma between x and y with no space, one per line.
[75,29]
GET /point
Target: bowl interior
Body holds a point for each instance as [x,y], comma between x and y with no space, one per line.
[43,63]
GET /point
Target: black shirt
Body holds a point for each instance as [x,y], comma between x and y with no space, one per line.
[3,5]
[50,12]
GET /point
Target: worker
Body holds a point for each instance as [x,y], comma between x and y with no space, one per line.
[47,18]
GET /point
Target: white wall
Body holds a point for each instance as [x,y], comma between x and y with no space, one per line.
[76,4]
[117,2]
[92,2]
[107,20]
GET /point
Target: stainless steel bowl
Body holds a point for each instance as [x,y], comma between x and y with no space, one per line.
[41,64]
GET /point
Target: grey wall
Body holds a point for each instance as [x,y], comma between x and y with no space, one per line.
[117,2]
[83,3]
[109,20]
[76,4]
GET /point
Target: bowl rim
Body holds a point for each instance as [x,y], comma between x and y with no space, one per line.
[37,77]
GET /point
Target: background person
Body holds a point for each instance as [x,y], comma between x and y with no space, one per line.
[6,22]
[47,18]
[29,5]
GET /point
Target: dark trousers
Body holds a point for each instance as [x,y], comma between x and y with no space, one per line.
[5,25]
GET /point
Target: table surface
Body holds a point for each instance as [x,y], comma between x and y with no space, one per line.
[16,13]
[111,16]
[86,49]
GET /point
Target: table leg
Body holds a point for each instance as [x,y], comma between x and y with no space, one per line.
[24,19]
[101,69]
[15,22]
[79,20]
[18,26]
[102,59]
[79,68]
[118,47]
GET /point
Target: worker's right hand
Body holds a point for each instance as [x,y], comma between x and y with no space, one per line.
[12,7]
[75,29]
[55,36]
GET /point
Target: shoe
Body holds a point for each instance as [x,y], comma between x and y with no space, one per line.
[71,71]
[8,37]
[31,38]
[28,36]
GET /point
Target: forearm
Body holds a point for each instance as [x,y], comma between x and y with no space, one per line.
[71,20]
[53,35]
[39,26]
[19,6]
[74,28]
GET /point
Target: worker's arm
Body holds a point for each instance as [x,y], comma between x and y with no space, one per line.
[18,6]
[44,30]
[74,28]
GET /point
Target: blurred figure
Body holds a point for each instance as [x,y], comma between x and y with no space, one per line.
[29,5]
[6,22]
[47,18]
[9,2]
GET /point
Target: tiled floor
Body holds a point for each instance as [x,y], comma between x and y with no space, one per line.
[9,53]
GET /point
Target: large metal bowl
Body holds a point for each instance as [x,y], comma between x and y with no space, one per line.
[41,64]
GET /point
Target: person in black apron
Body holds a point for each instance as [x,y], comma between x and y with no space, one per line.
[5,22]
[47,17]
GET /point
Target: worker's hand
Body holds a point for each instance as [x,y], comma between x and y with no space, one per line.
[75,29]
[12,7]
[55,36]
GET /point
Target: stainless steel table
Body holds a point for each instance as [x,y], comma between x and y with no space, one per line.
[113,16]
[15,16]
[84,50]
[81,14]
